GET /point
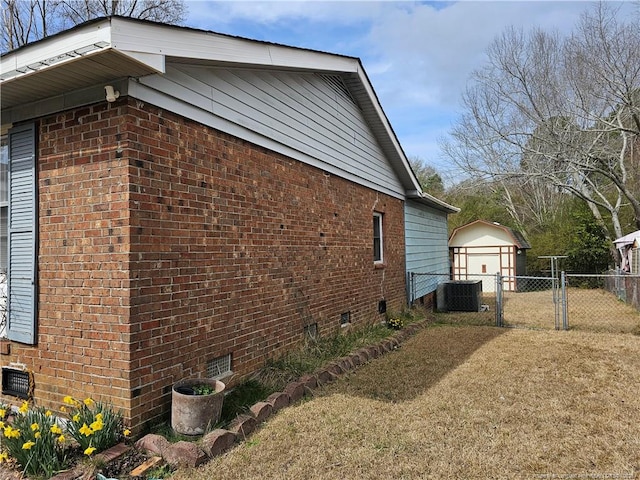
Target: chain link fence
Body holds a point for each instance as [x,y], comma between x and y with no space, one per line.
[535,302]
[603,303]
[600,303]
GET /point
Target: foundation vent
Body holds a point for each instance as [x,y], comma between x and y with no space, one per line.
[16,383]
[311,331]
[219,367]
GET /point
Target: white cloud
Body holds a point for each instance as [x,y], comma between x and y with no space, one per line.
[436,49]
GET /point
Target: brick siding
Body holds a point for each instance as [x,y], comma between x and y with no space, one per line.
[165,244]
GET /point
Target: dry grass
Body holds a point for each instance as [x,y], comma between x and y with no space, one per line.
[600,311]
[594,310]
[461,402]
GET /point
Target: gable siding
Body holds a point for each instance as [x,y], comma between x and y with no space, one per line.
[426,243]
[480,235]
[312,115]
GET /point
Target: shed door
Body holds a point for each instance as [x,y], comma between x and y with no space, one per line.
[486,265]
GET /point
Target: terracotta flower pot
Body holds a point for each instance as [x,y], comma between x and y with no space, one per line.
[193,413]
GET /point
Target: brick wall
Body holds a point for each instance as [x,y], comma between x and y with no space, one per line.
[165,244]
[83,301]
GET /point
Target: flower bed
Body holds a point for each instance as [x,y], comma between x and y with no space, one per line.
[39,444]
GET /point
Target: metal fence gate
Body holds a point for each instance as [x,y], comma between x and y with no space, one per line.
[530,302]
[604,303]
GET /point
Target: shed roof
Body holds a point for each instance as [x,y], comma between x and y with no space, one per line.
[628,239]
[518,238]
[107,49]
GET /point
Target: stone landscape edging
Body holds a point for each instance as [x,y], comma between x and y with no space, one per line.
[218,441]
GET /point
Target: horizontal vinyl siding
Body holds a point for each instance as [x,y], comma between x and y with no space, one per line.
[309,113]
[426,237]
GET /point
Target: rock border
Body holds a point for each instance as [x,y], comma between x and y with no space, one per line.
[216,442]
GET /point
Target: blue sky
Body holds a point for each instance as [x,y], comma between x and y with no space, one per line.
[418,55]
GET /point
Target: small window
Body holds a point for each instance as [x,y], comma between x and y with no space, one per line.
[377,238]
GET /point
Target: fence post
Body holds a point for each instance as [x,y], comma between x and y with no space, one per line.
[499,319]
[565,318]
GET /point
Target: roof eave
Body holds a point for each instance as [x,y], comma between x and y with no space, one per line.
[430,200]
[112,48]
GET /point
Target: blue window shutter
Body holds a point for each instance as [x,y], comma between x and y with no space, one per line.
[21,272]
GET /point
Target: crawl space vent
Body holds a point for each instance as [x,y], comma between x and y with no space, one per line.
[311,331]
[219,367]
[15,383]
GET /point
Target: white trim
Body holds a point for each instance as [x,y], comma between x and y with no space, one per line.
[66,47]
[171,41]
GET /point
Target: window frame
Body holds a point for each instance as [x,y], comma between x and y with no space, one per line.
[378,238]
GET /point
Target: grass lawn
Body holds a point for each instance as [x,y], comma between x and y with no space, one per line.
[464,402]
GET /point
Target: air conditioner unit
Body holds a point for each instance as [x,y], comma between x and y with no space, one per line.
[463,295]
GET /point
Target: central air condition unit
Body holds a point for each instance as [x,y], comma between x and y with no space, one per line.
[463,295]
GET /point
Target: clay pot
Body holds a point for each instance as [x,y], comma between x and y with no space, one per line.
[193,413]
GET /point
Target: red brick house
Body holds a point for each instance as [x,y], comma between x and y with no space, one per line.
[182,203]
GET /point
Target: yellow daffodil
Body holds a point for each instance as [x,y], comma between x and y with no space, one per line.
[61,439]
[63,409]
[99,416]
[24,407]
[69,400]
[37,435]
[48,413]
[3,412]
[76,417]
[28,445]
[88,402]
[4,457]
[89,450]
[11,432]
[126,432]
[35,427]
[55,429]
[1,424]
[96,426]
[85,430]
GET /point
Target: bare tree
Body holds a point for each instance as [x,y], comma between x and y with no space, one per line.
[559,114]
[25,21]
[164,11]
